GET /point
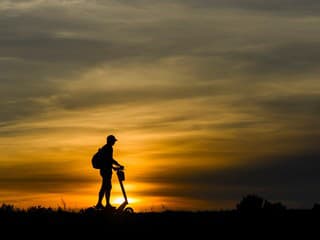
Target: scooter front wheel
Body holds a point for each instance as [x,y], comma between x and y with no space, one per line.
[128,210]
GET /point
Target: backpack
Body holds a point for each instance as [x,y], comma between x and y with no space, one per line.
[97,159]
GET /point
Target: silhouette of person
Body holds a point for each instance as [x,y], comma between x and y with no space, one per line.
[106,172]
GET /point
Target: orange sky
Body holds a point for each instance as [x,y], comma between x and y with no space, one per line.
[210,101]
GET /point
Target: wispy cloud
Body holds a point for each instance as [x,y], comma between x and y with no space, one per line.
[206,84]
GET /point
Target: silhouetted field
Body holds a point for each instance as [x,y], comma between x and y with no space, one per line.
[251,214]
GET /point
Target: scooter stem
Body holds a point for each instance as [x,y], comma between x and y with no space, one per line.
[122,188]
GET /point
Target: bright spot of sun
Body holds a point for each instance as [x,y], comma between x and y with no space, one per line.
[119,200]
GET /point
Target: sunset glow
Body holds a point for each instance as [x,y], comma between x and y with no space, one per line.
[210,100]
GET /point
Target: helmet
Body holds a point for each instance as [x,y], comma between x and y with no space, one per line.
[111,138]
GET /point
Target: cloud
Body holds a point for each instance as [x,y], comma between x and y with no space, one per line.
[291,178]
[289,59]
[226,82]
[299,106]
[41,177]
[283,6]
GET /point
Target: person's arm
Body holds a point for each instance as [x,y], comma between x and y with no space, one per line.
[114,162]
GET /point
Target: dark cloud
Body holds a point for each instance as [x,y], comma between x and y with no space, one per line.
[291,178]
[20,110]
[273,6]
[295,7]
[290,59]
[294,106]
[55,50]
[43,177]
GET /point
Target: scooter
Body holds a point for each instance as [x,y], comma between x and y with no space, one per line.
[123,206]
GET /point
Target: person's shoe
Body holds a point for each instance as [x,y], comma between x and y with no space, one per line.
[99,206]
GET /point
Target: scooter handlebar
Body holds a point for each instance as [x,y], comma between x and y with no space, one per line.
[118,168]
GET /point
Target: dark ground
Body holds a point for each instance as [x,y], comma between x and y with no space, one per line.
[249,218]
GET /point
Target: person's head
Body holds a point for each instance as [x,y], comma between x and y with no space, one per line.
[111,139]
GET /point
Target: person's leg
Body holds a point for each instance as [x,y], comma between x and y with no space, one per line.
[108,188]
[102,189]
[108,191]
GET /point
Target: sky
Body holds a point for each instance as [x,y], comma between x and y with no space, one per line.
[211,100]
